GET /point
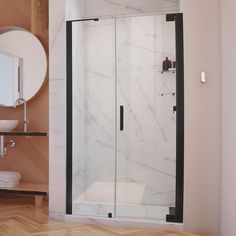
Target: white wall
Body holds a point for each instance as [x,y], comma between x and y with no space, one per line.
[202,115]
[228,35]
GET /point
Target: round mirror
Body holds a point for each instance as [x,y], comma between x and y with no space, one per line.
[23,65]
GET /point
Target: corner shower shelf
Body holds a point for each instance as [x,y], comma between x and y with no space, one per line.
[38,190]
[168,71]
[167,93]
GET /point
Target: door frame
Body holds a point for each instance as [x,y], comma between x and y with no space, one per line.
[177,216]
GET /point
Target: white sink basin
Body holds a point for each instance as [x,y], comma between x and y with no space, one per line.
[8,125]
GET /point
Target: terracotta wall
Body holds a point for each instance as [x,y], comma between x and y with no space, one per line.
[30,156]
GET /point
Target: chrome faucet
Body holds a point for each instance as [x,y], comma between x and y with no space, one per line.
[25,119]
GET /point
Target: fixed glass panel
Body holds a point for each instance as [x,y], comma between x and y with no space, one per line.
[93,117]
[146,95]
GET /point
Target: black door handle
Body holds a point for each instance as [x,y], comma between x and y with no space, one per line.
[121,117]
[174,109]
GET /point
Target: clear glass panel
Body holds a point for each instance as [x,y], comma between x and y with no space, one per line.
[130,172]
[146,149]
[93,117]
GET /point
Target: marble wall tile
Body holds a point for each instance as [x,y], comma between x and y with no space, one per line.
[57,109]
[111,8]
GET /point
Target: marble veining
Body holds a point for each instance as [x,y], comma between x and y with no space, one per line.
[105,8]
[118,62]
[57,109]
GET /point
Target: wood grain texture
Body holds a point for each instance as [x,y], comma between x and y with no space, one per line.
[39,16]
[31,187]
[19,217]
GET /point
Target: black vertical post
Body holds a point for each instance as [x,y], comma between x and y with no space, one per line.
[69,117]
[179,117]
[179,197]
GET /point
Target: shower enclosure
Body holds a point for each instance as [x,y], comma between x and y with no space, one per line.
[125,118]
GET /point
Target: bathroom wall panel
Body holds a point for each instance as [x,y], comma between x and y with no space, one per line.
[203,112]
[57,106]
[30,156]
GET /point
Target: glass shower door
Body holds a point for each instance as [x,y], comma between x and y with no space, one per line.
[124,118]
[93,52]
[146,132]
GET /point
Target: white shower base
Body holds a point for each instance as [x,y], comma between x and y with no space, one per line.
[140,216]
[124,222]
[123,210]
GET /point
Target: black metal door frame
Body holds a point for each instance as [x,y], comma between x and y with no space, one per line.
[179,196]
[178,213]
